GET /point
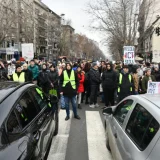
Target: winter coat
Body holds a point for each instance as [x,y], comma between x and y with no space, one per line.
[68,90]
[28,75]
[53,78]
[126,84]
[35,71]
[43,79]
[94,77]
[157,75]
[3,74]
[145,82]
[81,78]
[136,81]
[109,79]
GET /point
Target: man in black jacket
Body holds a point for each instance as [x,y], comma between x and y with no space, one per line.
[68,87]
[28,73]
[94,81]
[109,82]
[125,83]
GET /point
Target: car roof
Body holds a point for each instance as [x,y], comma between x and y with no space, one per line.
[153,98]
[7,88]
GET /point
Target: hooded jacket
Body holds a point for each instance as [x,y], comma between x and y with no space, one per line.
[109,79]
[35,71]
[53,78]
[94,77]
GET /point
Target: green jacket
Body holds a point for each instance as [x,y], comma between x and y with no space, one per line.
[145,82]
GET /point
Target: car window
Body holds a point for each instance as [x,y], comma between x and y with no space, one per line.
[142,127]
[38,97]
[122,110]
[26,110]
[12,124]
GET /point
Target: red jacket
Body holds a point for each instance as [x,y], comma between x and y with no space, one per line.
[81,78]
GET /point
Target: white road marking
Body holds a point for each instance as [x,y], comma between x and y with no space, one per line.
[59,143]
[96,137]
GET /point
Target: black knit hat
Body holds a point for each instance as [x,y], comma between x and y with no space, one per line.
[125,66]
[18,66]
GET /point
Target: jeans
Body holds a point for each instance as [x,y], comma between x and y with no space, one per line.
[73,101]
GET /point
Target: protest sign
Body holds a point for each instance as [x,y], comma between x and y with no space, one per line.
[27,51]
[153,88]
[129,55]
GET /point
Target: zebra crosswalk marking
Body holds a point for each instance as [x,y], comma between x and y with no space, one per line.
[96,137]
[59,143]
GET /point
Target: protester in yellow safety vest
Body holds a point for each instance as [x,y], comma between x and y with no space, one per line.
[125,83]
[18,76]
[68,87]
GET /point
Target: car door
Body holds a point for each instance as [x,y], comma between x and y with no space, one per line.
[140,133]
[46,123]
[20,129]
[116,130]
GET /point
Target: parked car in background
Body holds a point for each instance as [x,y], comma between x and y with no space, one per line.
[132,128]
[28,121]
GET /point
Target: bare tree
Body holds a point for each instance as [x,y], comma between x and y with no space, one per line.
[117,20]
[86,48]
[7,20]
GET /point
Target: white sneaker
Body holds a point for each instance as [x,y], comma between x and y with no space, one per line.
[97,105]
[92,106]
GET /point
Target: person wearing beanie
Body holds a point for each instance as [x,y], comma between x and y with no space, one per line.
[81,79]
[18,76]
[135,79]
[35,71]
[68,88]
[28,73]
[43,79]
[94,81]
[53,77]
[109,84]
[147,78]
[125,83]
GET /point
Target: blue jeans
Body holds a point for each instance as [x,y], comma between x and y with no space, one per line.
[73,101]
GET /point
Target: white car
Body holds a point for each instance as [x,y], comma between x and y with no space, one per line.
[132,128]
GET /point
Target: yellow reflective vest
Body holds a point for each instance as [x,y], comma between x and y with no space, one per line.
[120,81]
[21,78]
[71,79]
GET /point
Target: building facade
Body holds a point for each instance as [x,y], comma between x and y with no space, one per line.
[28,21]
[67,38]
[148,16]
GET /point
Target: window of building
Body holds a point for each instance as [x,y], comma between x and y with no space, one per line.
[122,110]
[26,110]
[142,127]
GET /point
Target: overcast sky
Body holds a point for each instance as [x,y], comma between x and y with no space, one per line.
[75,10]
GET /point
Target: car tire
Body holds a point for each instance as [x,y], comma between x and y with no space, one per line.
[57,123]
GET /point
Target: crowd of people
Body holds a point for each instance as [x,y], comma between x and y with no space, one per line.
[83,81]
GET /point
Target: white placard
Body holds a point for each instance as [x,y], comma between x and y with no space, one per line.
[27,51]
[129,55]
[153,88]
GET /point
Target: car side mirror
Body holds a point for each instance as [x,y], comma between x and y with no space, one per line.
[107,111]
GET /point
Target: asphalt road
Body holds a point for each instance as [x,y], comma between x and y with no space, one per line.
[80,139]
